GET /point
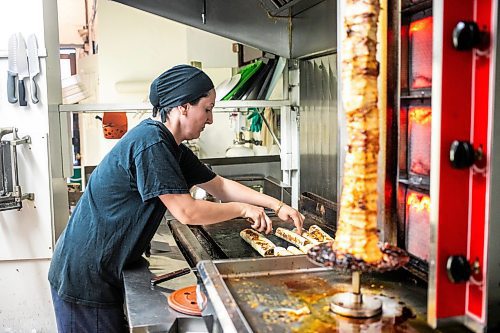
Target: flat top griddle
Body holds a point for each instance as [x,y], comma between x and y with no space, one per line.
[265,302]
[226,235]
[268,295]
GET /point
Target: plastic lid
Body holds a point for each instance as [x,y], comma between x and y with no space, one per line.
[184,301]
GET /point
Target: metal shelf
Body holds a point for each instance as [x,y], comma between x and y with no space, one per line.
[424,95]
[220,106]
[251,104]
[425,188]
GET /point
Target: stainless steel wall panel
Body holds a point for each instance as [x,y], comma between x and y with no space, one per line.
[315,30]
[318,126]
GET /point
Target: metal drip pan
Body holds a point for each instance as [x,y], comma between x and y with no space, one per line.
[356,306]
[292,294]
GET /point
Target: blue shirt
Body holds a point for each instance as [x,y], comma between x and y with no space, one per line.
[119,212]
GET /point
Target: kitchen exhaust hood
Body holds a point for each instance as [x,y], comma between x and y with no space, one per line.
[282,27]
[278,7]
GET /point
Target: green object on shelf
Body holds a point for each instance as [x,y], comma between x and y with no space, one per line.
[246,73]
[77,175]
[256,120]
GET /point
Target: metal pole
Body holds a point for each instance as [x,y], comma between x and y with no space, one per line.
[356,287]
[13,157]
[275,138]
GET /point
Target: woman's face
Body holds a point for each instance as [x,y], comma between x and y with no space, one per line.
[199,115]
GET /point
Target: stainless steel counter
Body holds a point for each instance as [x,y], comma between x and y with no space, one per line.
[147,307]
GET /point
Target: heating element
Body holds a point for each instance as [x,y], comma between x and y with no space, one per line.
[415,115]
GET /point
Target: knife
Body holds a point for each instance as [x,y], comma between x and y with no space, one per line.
[12,70]
[34,66]
[22,68]
[171,275]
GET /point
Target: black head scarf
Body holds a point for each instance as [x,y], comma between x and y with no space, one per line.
[178,85]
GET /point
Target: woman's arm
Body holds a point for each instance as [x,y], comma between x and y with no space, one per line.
[199,212]
[230,191]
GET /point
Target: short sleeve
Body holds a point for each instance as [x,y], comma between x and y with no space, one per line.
[158,172]
[194,171]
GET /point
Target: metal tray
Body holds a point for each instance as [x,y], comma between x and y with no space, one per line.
[291,294]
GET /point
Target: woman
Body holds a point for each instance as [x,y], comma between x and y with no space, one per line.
[148,171]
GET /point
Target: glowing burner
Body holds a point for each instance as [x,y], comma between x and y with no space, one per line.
[420,138]
[421,53]
[417,224]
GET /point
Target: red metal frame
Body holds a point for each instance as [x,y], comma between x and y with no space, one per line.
[479,137]
[465,115]
[455,109]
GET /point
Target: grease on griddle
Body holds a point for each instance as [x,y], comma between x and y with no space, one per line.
[306,307]
[311,290]
[286,315]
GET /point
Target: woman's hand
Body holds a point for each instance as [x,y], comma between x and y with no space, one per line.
[287,213]
[256,215]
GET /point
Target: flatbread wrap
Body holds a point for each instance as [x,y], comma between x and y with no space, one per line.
[258,242]
[293,250]
[291,237]
[318,234]
[281,251]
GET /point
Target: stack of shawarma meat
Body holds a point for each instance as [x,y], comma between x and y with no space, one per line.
[357,226]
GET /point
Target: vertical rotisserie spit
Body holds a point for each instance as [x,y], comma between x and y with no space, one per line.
[356,245]
[357,225]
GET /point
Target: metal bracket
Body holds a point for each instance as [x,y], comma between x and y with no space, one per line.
[28,196]
[293,64]
[11,195]
[21,141]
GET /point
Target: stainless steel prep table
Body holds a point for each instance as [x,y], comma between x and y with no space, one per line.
[147,308]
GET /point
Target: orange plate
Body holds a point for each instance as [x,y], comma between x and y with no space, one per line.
[184,300]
